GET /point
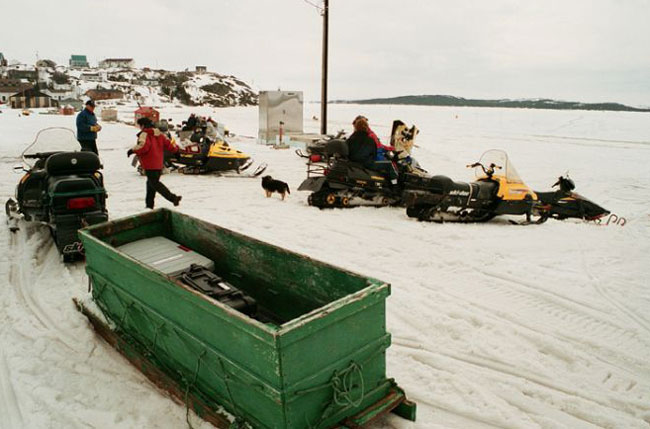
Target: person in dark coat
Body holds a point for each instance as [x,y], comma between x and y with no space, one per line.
[363,147]
[191,123]
[87,128]
[150,149]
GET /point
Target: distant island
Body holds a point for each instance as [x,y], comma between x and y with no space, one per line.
[448,100]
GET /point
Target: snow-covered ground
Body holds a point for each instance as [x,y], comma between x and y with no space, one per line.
[494,325]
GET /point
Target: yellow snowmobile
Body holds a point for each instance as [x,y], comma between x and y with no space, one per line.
[198,154]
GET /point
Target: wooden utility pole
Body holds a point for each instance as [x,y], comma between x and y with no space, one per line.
[323,92]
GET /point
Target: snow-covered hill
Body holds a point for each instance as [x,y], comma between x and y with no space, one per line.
[150,86]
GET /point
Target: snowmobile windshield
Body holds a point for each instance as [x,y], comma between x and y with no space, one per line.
[500,159]
[55,139]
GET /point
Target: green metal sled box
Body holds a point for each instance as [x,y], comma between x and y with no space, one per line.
[315,359]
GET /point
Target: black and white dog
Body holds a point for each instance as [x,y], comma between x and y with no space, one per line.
[271,185]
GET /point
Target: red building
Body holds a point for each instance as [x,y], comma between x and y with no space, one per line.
[147,112]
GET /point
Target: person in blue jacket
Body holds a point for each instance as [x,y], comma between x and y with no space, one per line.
[87,128]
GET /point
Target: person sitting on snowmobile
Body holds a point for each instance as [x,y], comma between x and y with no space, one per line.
[363,148]
[191,123]
[382,149]
[199,137]
[211,129]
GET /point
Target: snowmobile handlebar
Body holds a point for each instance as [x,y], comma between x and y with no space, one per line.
[489,171]
[566,184]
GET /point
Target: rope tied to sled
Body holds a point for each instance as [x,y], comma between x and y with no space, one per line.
[188,386]
[227,380]
[187,377]
[127,308]
[343,383]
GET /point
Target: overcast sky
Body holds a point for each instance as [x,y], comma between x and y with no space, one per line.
[579,50]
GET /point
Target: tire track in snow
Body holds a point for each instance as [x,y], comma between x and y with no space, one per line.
[536,289]
[630,314]
[26,273]
[9,406]
[482,365]
[596,351]
[19,274]
[579,324]
[533,333]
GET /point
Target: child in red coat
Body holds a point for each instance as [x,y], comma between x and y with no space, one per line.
[150,150]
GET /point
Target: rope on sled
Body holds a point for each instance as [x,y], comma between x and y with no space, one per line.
[187,380]
[343,385]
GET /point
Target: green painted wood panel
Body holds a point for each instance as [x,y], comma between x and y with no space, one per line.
[321,361]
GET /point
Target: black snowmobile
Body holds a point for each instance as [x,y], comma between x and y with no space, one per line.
[335,181]
[498,190]
[320,150]
[62,187]
[564,203]
[343,183]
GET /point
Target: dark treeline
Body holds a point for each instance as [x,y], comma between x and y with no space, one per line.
[447,100]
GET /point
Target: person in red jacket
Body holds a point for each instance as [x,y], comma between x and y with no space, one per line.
[150,150]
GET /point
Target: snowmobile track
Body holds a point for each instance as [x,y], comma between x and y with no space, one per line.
[9,404]
[579,324]
[26,273]
[595,280]
[470,363]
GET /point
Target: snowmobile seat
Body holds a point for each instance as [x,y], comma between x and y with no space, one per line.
[484,190]
[66,163]
[337,147]
[437,184]
[343,172]
[359,170]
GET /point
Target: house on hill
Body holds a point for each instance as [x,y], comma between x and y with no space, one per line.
[92,77]
[201,69]
[78,61]
[61,94]
[9,87]
[117,62]
[30,75]
[104,94]
[31,97]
